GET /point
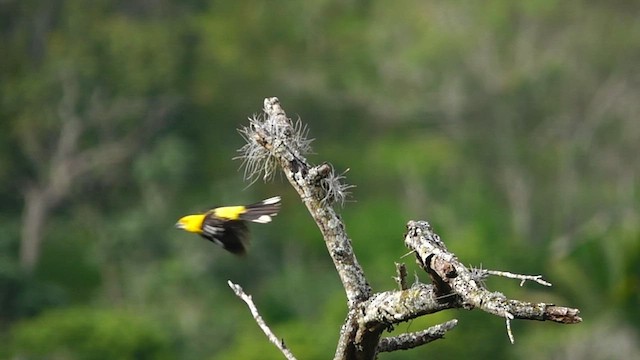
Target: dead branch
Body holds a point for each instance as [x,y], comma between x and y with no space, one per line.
[274,140]
[452,278]
[401,278]
[415,339]
[393,307]
[279,343]
[522,278]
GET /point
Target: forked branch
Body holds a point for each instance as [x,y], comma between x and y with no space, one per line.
[451,277]
[273,141]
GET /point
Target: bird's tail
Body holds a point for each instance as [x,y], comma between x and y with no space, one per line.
[261,212]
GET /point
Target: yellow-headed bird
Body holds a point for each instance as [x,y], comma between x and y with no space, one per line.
[227,225]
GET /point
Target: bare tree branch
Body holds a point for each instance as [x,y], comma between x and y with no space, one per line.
[401,278]
[451,277]
[415,339]
[279,343]
[273,140]
[392,307]
[346,349]
[522,278]
[508,317]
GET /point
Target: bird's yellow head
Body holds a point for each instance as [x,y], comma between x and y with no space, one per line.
[191,223]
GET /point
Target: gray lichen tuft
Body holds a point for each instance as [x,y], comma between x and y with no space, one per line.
[479,275]
[259,158]
[335,190]
[300,139]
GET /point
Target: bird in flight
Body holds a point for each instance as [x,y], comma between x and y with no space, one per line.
[227,225]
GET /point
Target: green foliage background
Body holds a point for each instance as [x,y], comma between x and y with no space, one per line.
[512,126]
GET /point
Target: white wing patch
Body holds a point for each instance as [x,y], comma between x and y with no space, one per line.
[213,230]
[263,219]
[271,201]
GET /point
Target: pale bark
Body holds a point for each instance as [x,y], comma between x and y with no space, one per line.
[273,141]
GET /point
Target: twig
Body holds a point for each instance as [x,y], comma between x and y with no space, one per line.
[508,317]
[401,278]
[523,278]
[415,339]
[279,343]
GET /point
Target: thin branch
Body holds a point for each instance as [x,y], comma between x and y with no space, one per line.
[508,317]
[415,339]
[401,278]
[523,278]
[279,343]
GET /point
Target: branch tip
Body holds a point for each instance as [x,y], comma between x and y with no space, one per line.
[278,342]
[508,317]
[401,278]
[415,339]
[521,277]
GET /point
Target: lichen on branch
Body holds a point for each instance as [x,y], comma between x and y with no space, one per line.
[275,142]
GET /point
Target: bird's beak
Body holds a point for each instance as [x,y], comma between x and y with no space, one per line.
[179,225]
